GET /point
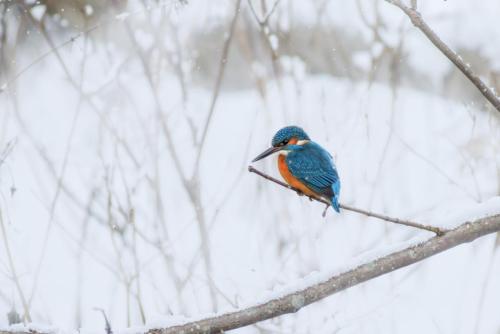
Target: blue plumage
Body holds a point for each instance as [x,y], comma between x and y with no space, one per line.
[314,167]
[305,165]
[287,133]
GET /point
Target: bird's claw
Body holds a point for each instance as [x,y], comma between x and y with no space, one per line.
[300,193]
[324,212]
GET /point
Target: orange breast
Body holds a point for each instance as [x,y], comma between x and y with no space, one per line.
[290,179]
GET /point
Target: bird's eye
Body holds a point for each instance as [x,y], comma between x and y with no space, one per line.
[284,142]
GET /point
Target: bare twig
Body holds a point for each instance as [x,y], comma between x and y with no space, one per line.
[265,19]
[265,30]
[218,81]
[293,302]
[15,276]
[61,174]
[418,21]
[437,230]
[72,39]
[7,150]
[435,167]
[106,321]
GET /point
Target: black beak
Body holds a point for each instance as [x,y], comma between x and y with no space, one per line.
[267,152]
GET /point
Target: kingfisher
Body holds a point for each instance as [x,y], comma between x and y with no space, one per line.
[305,165]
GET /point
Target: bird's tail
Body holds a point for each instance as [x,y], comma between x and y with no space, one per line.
[335,203]
[335,198]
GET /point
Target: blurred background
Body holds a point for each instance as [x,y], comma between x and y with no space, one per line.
[126,129]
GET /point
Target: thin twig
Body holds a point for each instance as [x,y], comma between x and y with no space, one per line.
[265,30]
[62,172]
[264,21]
[106,321]
[74,38]
[7,150]
[15,276]
[190,185]
[418,21]
[218,81]
[438,231]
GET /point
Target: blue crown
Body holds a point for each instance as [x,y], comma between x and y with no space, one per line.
[289,132]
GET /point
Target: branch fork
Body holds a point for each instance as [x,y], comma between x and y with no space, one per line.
[437,230]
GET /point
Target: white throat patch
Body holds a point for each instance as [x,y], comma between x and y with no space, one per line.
[302,142]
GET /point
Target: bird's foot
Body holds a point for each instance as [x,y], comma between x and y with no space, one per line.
[300,193]
[326,209]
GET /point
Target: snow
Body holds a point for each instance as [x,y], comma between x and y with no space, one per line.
[408,154]
[256,229]
[38,12]
[469,213]
[122,16]
[273,40]
[89,10]
[40,328]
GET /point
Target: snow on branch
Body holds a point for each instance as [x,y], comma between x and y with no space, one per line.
[418,21]
[293,302]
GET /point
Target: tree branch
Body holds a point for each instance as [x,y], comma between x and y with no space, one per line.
[293,302]
[436,230]
[418,21]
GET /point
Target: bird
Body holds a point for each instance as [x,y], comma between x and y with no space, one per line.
[305,165]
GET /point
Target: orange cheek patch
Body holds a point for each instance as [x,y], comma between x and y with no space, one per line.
[293,141]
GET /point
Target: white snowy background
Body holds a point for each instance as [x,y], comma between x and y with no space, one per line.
[95,212]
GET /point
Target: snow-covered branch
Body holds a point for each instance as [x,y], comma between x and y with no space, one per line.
[293,302]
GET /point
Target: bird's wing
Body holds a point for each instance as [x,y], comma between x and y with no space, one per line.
[314,166]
